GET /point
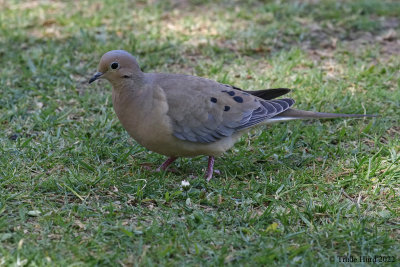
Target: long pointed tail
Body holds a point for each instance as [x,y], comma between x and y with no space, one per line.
[295,114]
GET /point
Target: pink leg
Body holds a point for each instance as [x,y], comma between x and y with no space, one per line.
[210,168]
[166,164]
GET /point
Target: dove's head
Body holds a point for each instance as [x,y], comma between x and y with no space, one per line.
[117,66]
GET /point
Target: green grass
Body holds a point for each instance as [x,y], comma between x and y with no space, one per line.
[72,187]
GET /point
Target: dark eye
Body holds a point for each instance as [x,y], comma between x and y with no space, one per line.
[114,65]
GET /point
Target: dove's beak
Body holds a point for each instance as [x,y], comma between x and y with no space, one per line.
[95,77]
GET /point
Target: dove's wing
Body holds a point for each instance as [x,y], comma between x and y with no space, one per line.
[205,111]
[267,94]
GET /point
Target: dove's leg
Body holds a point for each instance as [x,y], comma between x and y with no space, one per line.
[210,168]
[166,164]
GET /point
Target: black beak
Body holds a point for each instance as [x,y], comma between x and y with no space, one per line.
[95,77]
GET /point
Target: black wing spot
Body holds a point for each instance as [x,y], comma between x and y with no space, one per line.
[213,99]
[231,93]
[227,108]
[238,99]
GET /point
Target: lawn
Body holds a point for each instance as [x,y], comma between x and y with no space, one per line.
[75,188]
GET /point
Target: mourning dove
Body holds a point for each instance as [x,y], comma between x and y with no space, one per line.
[185,116]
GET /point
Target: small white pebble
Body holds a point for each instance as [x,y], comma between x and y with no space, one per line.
[34,213]
[185,183]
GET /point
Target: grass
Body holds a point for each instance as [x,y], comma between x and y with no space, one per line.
[72,187]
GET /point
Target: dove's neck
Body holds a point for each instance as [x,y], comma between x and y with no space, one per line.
[127,91]
[128,85]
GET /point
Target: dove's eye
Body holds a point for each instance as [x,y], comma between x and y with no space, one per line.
[114,65]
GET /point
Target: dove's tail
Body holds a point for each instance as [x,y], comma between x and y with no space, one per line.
[295,114]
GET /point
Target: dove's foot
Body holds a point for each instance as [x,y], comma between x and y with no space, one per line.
[210,168]
[147,166]
[166,163]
